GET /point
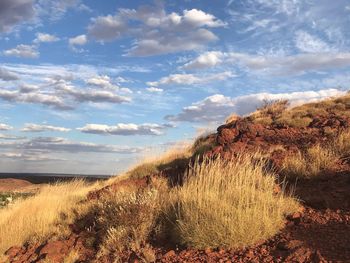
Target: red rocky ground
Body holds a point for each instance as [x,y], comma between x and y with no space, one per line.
[319,233]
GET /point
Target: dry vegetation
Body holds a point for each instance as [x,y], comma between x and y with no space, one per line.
[127,218]
[176,156]
[222,203]
[38,217]
[228,203]
[318,159]
[279,113]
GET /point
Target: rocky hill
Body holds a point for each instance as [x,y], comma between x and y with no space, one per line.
[307,148]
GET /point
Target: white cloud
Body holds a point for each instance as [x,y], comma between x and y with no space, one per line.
[310,44]
[205,60]
[22,51]
[61,87]
[101,81]
[78,40]
[31,127]
[5,127]
[125,129]
[217,107]
[106,28]
[156,32]
[29,157]
[191,79]
[34,97]
[198,18]
[154,90]
[46,38]
[57,144]
[14,12]
[91,95]
[273,64]
[7,75]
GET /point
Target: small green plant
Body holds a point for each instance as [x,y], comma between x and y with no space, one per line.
[9,198]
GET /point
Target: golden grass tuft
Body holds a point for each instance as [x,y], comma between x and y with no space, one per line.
[313,162]
[38,217]
[228,203]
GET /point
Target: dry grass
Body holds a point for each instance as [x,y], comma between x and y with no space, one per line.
[176,156]
[269,112]
[313,162]
[232,118]
[72,257]
[228,204]
[341,145]
[42,215]
[125,219]
[278,113]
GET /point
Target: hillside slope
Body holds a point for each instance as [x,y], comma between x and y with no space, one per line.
[307,146]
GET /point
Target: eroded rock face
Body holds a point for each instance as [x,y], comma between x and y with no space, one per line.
[244,135]
[51,251]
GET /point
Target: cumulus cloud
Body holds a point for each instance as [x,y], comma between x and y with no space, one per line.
[156,32]
[125,129]
[14,12]
[45,38]
[57,144]
[34,97]
[60,88]
[22,51]
[206,60]
[32,127]
[191,79]
[7,75]
[78,40]
[107,28]
[100,81]
[217,107]
[154,90]
[91,95]
[272,64]
[5,127]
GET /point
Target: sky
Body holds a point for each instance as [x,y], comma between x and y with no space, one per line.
[92,87]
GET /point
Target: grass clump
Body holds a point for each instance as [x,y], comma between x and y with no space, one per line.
[38,217]
[341,145]
[269,112]
[311,163]
[227,203]
[127,218]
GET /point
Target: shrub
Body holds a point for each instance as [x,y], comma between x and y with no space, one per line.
[227,203]
[313,162]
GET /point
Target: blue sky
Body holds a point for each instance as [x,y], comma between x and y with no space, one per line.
[93,86]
